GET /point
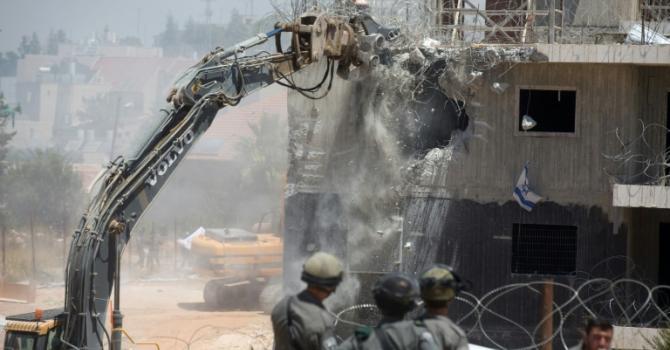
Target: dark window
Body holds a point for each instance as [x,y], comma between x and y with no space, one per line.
[20,341]
[544,249]
[553,110]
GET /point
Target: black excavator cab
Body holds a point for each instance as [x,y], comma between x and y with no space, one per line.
[39,330]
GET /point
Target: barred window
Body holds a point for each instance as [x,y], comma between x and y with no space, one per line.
[544,249]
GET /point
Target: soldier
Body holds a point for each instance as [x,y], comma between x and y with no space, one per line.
[395,295]
[301,322]
[439,286]
[432,330]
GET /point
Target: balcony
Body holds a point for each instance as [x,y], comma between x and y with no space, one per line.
[459,22]
[641,196]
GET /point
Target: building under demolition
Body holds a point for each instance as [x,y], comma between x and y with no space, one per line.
[577,91]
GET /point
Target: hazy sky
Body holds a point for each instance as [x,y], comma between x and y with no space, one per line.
[81,18]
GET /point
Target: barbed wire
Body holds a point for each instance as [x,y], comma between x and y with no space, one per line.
[625,302]
[641,158]
[599,297]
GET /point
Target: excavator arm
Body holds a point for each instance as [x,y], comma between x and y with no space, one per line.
[222,78]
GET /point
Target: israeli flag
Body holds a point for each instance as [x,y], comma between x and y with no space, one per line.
[522,193]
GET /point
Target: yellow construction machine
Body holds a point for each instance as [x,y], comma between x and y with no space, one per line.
[241,264]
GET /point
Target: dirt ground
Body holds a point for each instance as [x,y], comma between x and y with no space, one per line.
[172,314]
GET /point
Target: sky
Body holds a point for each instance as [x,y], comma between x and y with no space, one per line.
[81,18]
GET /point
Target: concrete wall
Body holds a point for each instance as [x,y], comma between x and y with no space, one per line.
[330,148]
[563,168]
[458,206]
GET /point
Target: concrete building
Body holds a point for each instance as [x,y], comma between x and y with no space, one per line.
[441,190]
[53,89]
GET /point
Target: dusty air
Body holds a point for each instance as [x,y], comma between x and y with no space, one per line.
[335,175]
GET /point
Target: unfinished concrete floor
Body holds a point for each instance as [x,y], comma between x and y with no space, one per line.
[172,314]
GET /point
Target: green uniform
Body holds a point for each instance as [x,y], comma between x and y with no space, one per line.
[301,322]
[426,333]
[366,337]
[446,333]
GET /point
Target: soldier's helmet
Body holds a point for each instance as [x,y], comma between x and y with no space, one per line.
[323,270]
[395,294]
[440,284]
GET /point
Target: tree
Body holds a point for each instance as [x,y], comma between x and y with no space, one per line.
[236,29]
[169,38]
[45,192]
[262,160]
[61,37]
[189,34]
[6,114]
[263,156]
[52,43]
[24,46]
[8,64]
[4,64]
[34,46]
[55,39]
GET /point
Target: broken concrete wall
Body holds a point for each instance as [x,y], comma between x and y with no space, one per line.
[348,143]
[564,168]
[405,198]
[358,142]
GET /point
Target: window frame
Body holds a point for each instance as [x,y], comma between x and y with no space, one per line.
[517,103]
[513,242]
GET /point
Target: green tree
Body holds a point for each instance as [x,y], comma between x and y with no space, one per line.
[262,159]
[45,188]
[6,114]
[8,64]
[54,39]
[169,38]
[34,46]
[237,29]
[45,192]
[24,46]
[4,65]
[52,43]
[189,35]
[263,156]
[61,36]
